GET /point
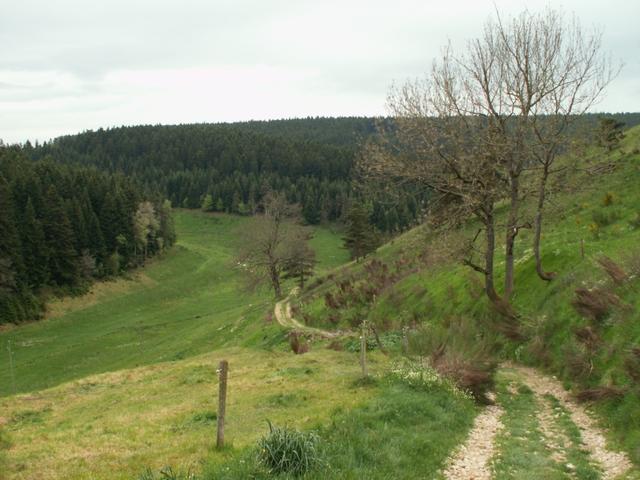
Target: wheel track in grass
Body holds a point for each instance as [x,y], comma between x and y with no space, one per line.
[614,464]
[474,459]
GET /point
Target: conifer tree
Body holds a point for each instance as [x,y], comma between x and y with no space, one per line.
[360,238]
[34,248]
[63,258]
[301,258]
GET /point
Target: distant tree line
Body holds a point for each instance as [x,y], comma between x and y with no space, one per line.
[230,167]
[62,226]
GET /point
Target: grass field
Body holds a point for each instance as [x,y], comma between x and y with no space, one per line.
[187,303]
[151,333]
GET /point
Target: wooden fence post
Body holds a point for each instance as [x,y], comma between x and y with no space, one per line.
[11,368]
[363,350]
[222,401]
[405,340]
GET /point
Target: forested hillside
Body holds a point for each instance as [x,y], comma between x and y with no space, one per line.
[228,167]
[63,226]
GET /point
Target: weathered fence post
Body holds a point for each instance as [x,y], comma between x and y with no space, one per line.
[222,401]
[13,375]
[405,340]
[363,350]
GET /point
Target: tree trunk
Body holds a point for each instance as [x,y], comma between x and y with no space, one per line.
[501,305]
[546,276]
[275,281]
[510,240]
[489,285]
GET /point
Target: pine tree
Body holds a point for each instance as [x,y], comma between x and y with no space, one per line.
[610,133]
[11,266]
[360,239]
[63,258]
[207,203]
[301,258]
[34,248]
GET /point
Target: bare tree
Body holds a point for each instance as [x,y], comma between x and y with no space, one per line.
[483,117]
[267,242]
[437,142]
[554,73]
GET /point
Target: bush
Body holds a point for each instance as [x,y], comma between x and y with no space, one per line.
[461,353]
[594,304]
[288,451]
[615,272]
[298,343]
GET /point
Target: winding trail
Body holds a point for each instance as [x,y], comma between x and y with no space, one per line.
[282,312]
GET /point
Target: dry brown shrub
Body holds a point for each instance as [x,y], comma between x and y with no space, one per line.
[476,377]
[589,337]
[600,393]
[336,345]
[330,301]
[632,364]
[615,271]
[268,318]
[577,360]
[298,343]
[595,303]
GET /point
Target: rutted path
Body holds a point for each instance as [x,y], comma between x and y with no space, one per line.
[613,464]
[535,417]
[282,312]
[471,460]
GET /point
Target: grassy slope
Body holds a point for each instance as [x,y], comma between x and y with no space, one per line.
[113,425]
[444,289]
[124,378]
[189,302]
[184,304]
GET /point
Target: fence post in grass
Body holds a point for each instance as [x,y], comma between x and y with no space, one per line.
[13,375]
[363,350]
[405,340]
[223,369]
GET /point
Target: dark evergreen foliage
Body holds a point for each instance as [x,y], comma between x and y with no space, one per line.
[229,167]
[360,237]
[59,226]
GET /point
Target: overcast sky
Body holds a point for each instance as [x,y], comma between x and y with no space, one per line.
[72,65]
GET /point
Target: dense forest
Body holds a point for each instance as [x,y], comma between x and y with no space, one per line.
[229,167]
[62,226]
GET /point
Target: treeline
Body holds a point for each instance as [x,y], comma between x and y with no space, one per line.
[62,226]
[229,167]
